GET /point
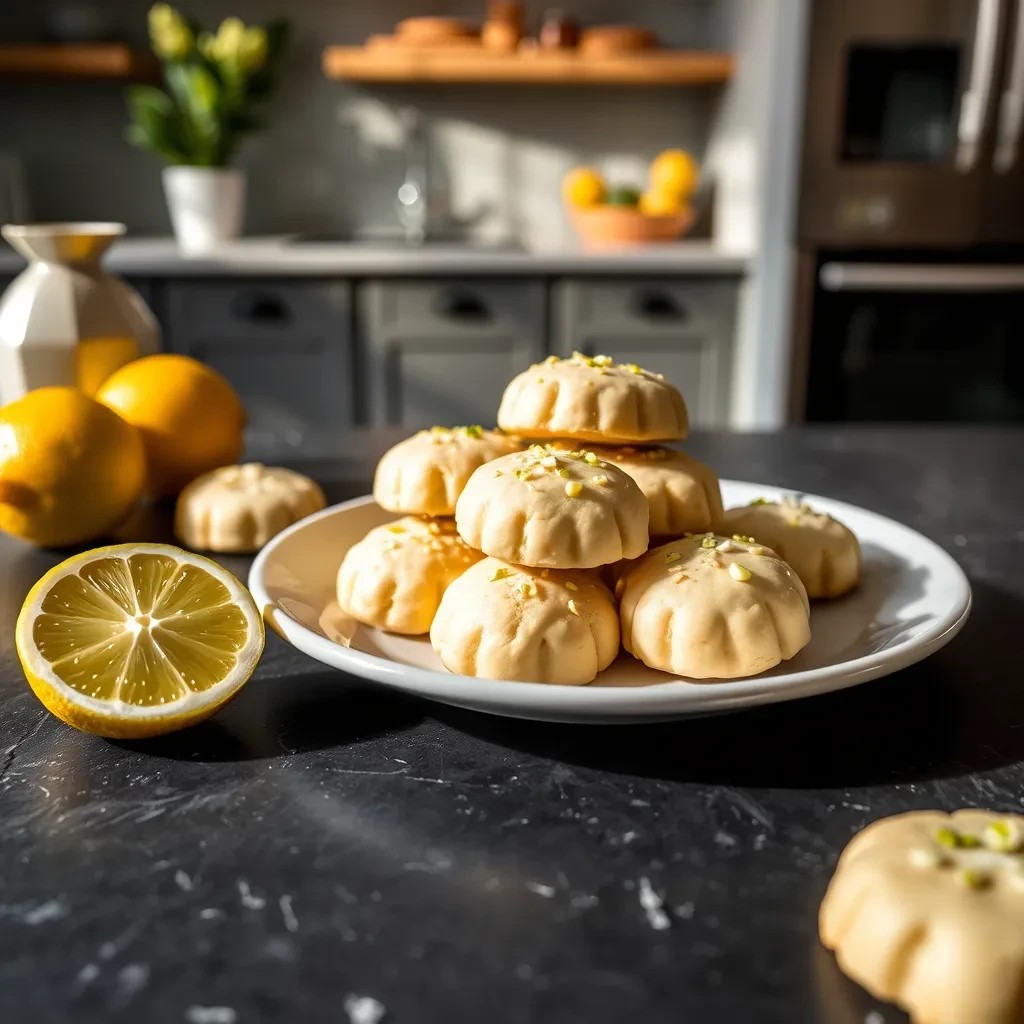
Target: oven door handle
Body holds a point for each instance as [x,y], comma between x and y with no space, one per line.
[1011,103]
[977,96]
[925,277]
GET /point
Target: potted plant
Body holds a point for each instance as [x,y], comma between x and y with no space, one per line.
[213,86]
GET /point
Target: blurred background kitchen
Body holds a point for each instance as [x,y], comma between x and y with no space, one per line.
[851,248]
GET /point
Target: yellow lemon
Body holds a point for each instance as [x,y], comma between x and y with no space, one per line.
[583,187]
[70,469]
[661,204]
[137,639]
[674,171]
[189,416]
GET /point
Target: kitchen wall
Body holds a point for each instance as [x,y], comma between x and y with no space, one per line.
[333,158]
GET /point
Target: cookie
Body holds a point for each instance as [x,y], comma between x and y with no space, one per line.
[926,910]
[593,399]
[425,473]
[825,554]
[683,493]
[237,509]
[394,577]
[712,608]
[553,509]
[503,621]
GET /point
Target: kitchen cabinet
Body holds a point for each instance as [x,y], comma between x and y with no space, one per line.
[442,351]
[681,328]
[286,347]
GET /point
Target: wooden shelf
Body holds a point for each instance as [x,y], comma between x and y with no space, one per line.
[100,61]
[477,65]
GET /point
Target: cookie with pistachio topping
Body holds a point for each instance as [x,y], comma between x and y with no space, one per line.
[395,576]
[682,492]
[553,509]
[425,473]
[593,399]
[926,910]
[825,553]
[711,607]
[504,621]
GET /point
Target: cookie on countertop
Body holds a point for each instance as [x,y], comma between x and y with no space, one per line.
[710,607]
[237,509]
[926,910]
[825,554]
[593,399]
[553,509]
[503,621]
[683,493]
[395,576]
[425,473]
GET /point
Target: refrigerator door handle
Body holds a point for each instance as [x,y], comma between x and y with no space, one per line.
[977,96]
[924,277]
[1011,103]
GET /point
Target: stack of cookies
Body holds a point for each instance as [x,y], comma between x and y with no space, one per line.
[394,577]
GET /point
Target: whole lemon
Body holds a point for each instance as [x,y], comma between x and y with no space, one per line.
[583,187]
[661,204]
[70,469]
[189,416]
[674,171]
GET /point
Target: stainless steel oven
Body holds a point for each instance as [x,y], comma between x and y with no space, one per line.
[910,283]
[913,123]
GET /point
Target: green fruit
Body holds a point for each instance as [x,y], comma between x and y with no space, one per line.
[622,195]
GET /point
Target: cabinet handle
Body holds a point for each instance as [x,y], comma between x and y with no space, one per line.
[460,305]
[261,307]
[657,305]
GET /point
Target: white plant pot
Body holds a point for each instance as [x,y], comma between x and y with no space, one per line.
[207,206]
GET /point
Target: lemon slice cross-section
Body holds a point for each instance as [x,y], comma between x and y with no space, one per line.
[137,639]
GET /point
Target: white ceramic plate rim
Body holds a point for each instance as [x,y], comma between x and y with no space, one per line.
[663,699]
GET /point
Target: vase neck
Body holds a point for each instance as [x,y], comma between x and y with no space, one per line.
[81,244]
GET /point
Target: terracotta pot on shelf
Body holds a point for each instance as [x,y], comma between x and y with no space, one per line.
[606,227]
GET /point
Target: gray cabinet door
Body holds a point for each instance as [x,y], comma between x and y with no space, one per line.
[683,329]
[441,352]
[286,348]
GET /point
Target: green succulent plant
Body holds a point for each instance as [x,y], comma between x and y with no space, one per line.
[213,85]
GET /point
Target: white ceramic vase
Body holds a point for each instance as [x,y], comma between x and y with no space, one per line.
[207,206]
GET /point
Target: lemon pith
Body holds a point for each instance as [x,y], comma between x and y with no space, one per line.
[137,639]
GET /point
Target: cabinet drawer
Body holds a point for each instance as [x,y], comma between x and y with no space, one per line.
[287,350]
[454,306]
[442,352]
[679,328]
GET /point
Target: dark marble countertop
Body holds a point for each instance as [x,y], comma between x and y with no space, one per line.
[321,840]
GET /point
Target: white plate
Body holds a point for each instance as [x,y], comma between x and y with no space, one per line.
[912,600]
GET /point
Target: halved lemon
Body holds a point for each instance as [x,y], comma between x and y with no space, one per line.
[137,640]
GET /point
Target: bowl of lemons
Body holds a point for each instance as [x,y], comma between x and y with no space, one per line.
[607,214]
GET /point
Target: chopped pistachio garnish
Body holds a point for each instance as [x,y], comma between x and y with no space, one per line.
[969,842]
[497,472]
[549,462]
[501,573]
[551,360]
[756,550]
[396,528]
[601,481]
[572,607]
[540,380]
[738,572]
[709,541]
[569,585]
[573,489]
[562,472]
[591,459]
[742,539]
[672,556]
[528,589]
[975,879]
[1003,836]
[474,431]
[760,501]
[633,368]
[947,837]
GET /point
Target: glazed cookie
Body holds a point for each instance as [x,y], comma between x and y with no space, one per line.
[425,473]
[926,910]
[502,621]
[683,494]
[237,509]
[824,553]
[553,509]
[712,608]
[394,577]
[593,399]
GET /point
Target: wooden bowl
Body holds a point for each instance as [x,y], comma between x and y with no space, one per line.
[602,227]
